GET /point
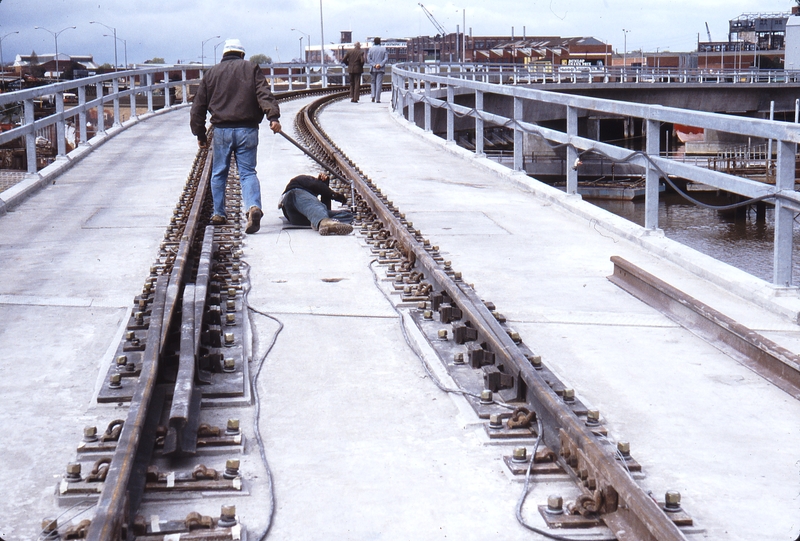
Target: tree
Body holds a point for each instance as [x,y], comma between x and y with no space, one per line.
[264,59]
[107,67]
[155,60]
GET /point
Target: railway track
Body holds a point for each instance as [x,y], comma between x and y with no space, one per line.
[183,368]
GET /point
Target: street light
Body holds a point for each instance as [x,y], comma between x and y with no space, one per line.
[321,35]
[114,31]
[625,54]
[303,51]
[55,37]
[203,51]
[2,64]
[215,51]
[124,45]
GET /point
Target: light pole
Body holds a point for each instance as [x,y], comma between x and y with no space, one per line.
[215,51]
[321,35]
[302,51]
[203,50]
[2,64]
[113,31]
[55,37]
[625,54]
[124,45]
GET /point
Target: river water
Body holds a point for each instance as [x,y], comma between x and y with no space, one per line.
[742,242]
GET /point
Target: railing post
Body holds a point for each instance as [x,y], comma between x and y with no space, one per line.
[572,153]
[479,124]
[82,114]
[450,116]
[518,135]
[784,217]
[291,83]
[410,102]
[427,105]
[101,121]
[61,143]
[272,79]
[30,138]
[149,92]
[132,97]
[167,101]
[184,88]
[652,179]
[115,89]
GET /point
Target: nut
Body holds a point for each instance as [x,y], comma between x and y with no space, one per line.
[495,421]
[555,505]
[624,450]
[90,433]
[233,426]
[486,395]
[672,501]
[520,454]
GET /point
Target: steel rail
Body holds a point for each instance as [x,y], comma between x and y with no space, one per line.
[117,500]
[629,512]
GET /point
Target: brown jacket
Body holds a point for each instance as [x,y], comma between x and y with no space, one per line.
[237,95]
[354,60]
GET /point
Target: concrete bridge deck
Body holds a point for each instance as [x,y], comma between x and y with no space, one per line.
[361,444]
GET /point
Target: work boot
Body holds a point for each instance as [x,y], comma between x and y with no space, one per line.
[329,226]
[253,220]
[218,220]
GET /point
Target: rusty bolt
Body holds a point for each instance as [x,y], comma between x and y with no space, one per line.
[231,469]
[73,472]
[592,417]
[229,365]
[624,450]
[229,339]
[130,335]
[50,528]
[569,395]
[122,360]
[495,421]
[227,516]
[115,382]
[486,394]
[427,314]
[233,426]
[90,433]
[520,454]
[230,319]
[672,501]
[442,334]
[458,358]
[555,505]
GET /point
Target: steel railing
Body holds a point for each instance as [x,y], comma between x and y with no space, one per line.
[413,85]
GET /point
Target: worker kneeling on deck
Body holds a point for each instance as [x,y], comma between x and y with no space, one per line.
[307,201]
[238,97]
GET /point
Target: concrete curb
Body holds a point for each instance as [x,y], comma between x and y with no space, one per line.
[783,301]
[20,192]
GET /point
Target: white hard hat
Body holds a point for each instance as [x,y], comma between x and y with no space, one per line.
[232,46]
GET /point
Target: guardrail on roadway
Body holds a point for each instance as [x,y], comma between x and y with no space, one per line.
[412,85]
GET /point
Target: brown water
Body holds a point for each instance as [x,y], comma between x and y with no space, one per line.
[742,242]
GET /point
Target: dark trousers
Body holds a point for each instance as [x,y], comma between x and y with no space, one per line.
[355,86]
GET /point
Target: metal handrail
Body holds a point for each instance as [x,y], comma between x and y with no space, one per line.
[413,85]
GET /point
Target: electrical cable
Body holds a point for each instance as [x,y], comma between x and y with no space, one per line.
[67,510]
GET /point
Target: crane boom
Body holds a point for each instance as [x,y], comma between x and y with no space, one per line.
[432,19]
[709,34]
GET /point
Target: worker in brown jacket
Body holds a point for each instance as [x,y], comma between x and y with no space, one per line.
[354,60]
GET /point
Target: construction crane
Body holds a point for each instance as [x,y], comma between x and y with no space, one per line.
[709,34]
[432,19]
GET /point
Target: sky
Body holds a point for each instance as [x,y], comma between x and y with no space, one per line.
[176,29]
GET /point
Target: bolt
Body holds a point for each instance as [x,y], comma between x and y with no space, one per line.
[520,454]
[447,265]
[422,305]
[514,335]
[115,381]
[73,472]
[231,469]
[442,334]
[624,450]
[230,304]
[122,360]
[230,319]
[233,426]
[139,316]
[673,501]
[555,505]
[427,314]
[457,276]
[407,290]
[130,335]
[50,528]
[536,361]
[235,267]
[231,292]
[458,358]
[569,395]
[228,365]
[227,516]
[592,417]
[486,394]
[90,433]
[495,421]
[228,339]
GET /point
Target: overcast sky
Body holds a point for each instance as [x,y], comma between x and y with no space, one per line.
[175,29]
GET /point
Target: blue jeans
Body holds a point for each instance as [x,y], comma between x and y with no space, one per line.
[303,208]
[243,143]
[377,85]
